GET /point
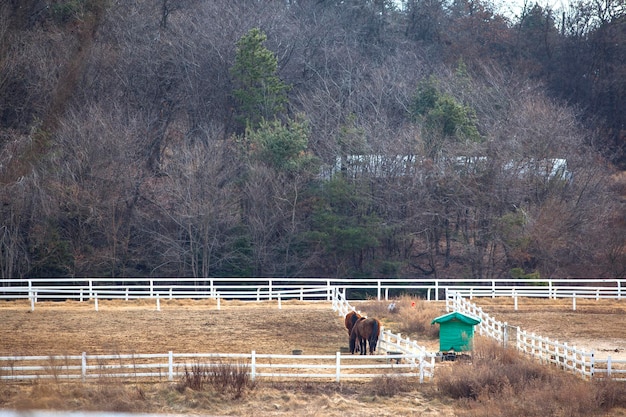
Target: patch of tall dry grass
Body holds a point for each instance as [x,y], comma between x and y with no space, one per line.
[500,382]
[409,315]
[110,396]
[225,377]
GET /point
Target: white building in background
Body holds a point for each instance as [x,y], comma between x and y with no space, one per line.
[396,166]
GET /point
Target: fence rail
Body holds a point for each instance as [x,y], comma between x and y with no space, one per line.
[303,288]
[488,326]
[171,365]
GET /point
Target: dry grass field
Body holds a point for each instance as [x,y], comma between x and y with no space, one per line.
[181,326]
[463,389]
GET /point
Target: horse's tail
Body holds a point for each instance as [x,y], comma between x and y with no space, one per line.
[374,336]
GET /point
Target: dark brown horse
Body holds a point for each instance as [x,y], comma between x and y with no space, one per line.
[365,330]
[351,319]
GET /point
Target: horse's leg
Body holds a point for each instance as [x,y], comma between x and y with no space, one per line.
[353,342]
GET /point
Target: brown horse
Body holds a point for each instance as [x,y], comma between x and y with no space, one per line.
[366,330]
[351,318]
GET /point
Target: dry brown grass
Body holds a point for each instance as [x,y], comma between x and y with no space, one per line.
[267,398]
[223,376]
[410,315]
[499,382]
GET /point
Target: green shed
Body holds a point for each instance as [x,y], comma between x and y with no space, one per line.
[456,331]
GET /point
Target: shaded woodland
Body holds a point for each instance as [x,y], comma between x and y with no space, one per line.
[305,138]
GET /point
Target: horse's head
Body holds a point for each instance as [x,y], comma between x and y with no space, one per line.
[351,318]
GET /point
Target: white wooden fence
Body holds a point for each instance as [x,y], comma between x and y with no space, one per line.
[488,326]
[169,366]
[580,362]
[301,288]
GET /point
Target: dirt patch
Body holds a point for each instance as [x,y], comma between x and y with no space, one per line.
[181,326]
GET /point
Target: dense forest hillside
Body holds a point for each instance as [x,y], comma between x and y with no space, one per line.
[353,138]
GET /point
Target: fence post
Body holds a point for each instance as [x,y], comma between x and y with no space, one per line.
[592,365]
[90,289]
[608,367]
[505,335]
[269,288]
[574,302]
[83,366]
[437,290]
[378,290]
[550,289]
[151,288]
[95,298]
[170,366]
[327,290]
[81,295]
[253,366]
[280,307]
[32,296]
[338,367]
[158,303]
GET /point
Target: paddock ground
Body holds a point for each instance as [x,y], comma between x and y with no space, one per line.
[182,326]
[197,326]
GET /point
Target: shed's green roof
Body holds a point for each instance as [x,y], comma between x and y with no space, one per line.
[458,316]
